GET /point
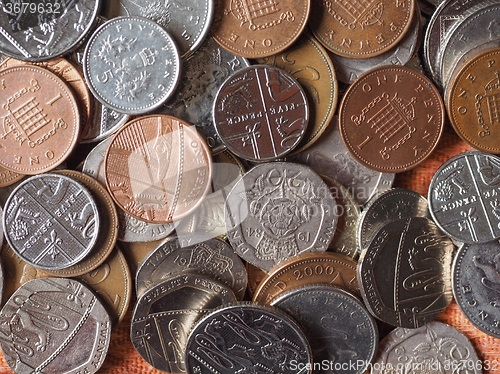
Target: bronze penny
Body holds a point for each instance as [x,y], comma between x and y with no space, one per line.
[255,276]
[9,177]
[308,62]
[472,101]
[361,28]
[254,29]
[158,168]
[305,269]
[41,120]
[391,118]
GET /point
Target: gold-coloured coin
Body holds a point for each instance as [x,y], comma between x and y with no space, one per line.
[135,252]
[255,276]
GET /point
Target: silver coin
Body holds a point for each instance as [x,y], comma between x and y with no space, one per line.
[54,325]
[51,221]
[464,197]
[247,338]
[165,314]
[213,258]
[131,65]
[433,348]
[105,121]
[279,210]
[203,74]
[329,156]
[339,328]
[41,30]
[188,21]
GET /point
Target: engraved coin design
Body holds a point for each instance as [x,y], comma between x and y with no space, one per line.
[213,258]
[261,113]
[41,120]
[259,28]
[463,197]
[361,29]
[164,316]
[405,273]
[136,252]
[54,325]
[222,340]
[51,221]
[476,284]
[306,269]
[379,122]
[131,65]
[37,31]
[279,210]
[435,347]
[8,177]
[104,122]
[336,324]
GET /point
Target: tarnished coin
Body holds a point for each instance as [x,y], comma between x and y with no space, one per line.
[309,63]
[240,338]
[463,197]
[255,276]
[391,118]
[136,252]
[261,113]
[164,316]
[41,120]
[361,29]
[51,221]
[54,325]
[433,348]
[279,210]
[405,273]
[8,177]
[158,169]
[213,258]
[131,65]
[259,29]
[306,269]
[336,324]
[41,30]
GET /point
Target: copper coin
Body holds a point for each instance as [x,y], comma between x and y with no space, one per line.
[261,28]
[9,177]
[255,276]
[472,101]
[158,168]
[305,269]
[361,28]
[391,118]
[41,120]
[136,252]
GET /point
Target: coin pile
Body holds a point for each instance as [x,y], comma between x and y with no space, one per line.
[200,160]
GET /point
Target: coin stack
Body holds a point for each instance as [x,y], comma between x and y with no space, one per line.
[212,180]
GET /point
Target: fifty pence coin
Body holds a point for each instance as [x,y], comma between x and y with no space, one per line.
[131,65]
[279,210]
[222,340]
[261,113]
[52,221]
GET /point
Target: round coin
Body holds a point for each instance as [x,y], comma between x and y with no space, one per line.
[51,221]
[391,118]
[41,120]
[131,65]
[222,341]
[279,210]
[8,177]
[261,113]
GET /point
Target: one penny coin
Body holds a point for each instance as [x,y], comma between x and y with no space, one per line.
[9,177]
[158,169]
[391,118]
[41,120]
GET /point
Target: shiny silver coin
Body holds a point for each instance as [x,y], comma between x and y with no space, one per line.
[463,197]
[165,314]
[339,328]
[476,285]
[131,65]
[213,258]
[188,21]
[41,30]
[54,325]
[405,273]
[279,210]
[105,121]
[203,74]
[51,221]
[433,348]
[247,338]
